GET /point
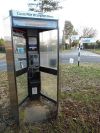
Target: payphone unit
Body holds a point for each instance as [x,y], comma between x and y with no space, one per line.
[33,64]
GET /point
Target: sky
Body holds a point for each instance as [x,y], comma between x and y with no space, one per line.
[81,13]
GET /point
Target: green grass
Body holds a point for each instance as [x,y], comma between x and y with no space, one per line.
[88,97]
[97,51]
[83,81]
[85,76]
[79,102]
[82,100]
[79,110]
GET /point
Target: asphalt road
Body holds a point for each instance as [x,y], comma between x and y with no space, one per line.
[85,57]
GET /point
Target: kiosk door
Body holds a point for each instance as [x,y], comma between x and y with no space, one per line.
[49,64]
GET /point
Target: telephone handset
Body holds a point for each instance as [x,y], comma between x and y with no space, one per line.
[33,59]
[33,63]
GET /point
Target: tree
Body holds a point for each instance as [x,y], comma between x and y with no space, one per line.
[68,29]
[44,5]
[74,32]
[89,32]
[2,47]
[68,32]
[2,42]
[98,44]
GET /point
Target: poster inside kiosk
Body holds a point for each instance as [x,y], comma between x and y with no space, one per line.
[34,90]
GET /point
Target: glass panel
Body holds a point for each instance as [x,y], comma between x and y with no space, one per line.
[19,44]
[48,49]
[49,85]
[22,87]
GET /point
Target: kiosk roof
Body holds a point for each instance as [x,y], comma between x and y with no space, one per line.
[31,14]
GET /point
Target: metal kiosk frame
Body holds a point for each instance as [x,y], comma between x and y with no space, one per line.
[27,24]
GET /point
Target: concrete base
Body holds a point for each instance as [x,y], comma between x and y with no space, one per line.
[37,111]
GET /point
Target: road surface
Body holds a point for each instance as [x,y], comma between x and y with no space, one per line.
[86,57]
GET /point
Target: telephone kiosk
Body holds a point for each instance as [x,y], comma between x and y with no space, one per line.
[28,59]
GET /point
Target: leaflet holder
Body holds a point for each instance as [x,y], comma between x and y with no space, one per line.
[31,43]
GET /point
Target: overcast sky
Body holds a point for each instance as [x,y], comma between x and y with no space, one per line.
[82,13]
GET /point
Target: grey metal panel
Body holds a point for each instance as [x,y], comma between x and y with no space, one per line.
[11,71]
[58,72]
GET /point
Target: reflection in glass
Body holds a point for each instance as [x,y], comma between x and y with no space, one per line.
[22,86]
[19,52]
[49,85]
[48,49]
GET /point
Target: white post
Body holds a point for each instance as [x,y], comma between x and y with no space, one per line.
[79,55]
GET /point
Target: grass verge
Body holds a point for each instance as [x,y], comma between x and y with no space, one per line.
[97,51]
[79,110]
